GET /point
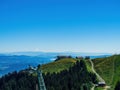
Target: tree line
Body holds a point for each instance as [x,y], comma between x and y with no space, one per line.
[76,78]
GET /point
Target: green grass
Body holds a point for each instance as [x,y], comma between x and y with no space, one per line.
[88,64]
[99,88]
[57,66]
[63,64]
[109,69]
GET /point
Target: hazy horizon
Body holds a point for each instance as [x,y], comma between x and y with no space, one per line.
[68,52]
[57,52]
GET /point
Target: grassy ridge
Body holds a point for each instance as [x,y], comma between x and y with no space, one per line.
[62,64]
[109,69]
[59,65]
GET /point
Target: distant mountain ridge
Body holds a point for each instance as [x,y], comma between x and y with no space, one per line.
[9,63]
[56,53]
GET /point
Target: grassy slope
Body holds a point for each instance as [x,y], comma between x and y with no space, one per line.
[61,65]
[109,69]
[88,65]
[58,66]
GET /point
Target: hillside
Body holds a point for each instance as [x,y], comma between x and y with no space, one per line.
[109,69]
[63,64]
[73,75]
[59,65]
[75,78]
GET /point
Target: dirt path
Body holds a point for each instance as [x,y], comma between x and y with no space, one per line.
[93,88]
[98,76]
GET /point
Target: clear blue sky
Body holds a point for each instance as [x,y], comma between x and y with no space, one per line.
[60,25]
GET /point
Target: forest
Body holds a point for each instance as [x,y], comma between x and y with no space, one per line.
[76,78]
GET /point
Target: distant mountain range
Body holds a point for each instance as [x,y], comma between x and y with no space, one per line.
[55,53]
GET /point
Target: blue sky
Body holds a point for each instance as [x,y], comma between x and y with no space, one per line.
[60,25]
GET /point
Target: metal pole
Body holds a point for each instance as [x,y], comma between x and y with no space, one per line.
[41,83]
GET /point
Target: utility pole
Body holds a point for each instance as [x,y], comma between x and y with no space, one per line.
[41,83]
